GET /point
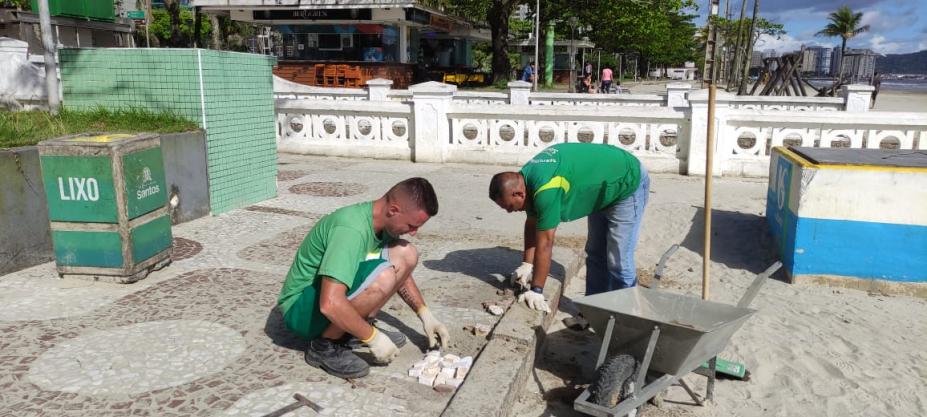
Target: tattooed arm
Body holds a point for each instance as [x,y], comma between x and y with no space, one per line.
[411,295]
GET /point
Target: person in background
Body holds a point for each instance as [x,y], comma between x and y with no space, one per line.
[877,83]
[528,73]
[588,84]
[606,80]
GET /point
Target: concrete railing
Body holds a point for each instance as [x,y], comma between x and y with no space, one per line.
[433,122]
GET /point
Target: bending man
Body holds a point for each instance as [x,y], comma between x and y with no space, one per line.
[347,268]
[566,182]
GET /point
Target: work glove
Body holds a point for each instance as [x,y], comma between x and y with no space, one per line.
[434,329]
[534,301]
[383,349]
[521,278]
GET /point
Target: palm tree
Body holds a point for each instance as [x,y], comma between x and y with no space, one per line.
[845,24]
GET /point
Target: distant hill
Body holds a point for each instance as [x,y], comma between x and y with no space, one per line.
[914,63]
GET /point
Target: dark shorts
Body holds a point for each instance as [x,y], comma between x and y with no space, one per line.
[304,317]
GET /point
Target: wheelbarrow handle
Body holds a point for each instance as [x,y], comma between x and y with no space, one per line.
[754,289]
[658,273]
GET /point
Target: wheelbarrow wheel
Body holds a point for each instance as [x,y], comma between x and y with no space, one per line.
[614,380]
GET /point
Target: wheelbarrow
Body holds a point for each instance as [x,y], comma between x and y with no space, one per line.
[668,335]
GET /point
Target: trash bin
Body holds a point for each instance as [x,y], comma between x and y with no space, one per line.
[107,204]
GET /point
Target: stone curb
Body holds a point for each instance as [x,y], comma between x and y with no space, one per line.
[500,372]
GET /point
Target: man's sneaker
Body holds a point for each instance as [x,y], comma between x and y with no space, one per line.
[352,342]
[335,359]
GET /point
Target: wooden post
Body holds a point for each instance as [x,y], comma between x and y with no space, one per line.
[710,75]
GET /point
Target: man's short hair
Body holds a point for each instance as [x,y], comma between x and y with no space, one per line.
[500,183]
[418,191]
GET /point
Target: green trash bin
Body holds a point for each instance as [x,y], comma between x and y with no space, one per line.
[107,204]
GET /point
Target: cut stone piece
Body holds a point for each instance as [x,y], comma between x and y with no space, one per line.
[451,357]
[461,373]
[431,371]
[448,372]
[440,379]
[464,362]
[415,372]
[426,380]
[454,382]
[495,310]
[480,329]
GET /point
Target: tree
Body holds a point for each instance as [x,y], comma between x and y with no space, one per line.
[175,32]
[749,30]
[660,32]
[845,24]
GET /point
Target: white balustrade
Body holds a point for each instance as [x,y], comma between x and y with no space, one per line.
[344,128]
[433,122]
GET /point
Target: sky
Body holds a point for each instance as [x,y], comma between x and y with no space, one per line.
[896,26]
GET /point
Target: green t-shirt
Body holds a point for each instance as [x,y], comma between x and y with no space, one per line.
[572,180]
[334,247]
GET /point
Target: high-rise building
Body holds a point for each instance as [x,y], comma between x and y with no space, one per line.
[756,61]
[824,56]
[858,64]
[808,60]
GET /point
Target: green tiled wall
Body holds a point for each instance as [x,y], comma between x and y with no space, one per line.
[237,94]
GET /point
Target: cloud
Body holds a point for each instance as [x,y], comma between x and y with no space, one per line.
[785,43]
[880,21]
[882,45]
[818,5]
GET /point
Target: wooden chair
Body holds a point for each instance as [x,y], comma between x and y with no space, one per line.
[330,75]
[342,68]
[352,77]
[319,73]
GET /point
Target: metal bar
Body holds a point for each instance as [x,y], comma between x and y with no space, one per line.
[712,375]
[648,355]
[693,394]
[285,410]
[308,403]
[754,288]
[623,408]
[606,340]
[301,401]
[658,274]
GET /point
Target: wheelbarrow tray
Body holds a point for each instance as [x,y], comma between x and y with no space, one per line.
[692,330]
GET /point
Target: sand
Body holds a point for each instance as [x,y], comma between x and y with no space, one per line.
[906,101]
[811,350]
[887,100]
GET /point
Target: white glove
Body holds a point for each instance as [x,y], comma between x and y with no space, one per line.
[433,328]
[383,349]
[521,278]
[534,301]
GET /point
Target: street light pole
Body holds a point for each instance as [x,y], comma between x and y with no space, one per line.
[537,42]
[51,66]
[572,22]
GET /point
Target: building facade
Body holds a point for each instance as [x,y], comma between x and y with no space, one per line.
[394,39]
[857,65]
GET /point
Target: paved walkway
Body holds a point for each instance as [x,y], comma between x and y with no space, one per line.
[202,337]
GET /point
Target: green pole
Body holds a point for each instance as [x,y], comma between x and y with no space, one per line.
[549,56]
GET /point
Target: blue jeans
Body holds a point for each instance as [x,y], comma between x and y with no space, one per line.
[612,237]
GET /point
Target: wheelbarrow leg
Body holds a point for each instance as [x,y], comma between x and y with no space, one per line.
[712,375]
[693,394]
[606,340]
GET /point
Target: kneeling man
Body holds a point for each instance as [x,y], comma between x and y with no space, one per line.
[566,182]
[347,268]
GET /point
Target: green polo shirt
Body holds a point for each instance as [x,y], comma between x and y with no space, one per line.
[572,180]
[335,247]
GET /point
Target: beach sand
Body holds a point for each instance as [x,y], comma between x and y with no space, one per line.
[887,100]
[906,101]
[811,350]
